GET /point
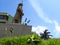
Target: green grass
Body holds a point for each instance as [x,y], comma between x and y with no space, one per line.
[22,40]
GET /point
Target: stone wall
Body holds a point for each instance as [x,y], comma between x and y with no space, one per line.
[18,30]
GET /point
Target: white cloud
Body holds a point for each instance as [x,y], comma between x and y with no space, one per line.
[39,29]
[57,26]
[36,6]
[56,29]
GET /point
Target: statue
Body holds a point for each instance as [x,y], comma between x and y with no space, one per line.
[19,14]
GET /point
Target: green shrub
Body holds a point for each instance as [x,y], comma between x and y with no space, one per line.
[22,40]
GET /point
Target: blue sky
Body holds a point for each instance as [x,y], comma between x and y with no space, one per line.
[42,13]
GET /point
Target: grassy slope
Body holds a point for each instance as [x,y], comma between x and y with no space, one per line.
[22,40]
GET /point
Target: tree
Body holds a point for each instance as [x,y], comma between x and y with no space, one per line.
[45,35]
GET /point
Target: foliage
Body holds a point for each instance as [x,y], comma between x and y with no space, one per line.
[34,38]
[11,30]
[45,35]
[22,40]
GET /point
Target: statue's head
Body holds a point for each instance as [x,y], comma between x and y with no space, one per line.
[19,9]
[20,6]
